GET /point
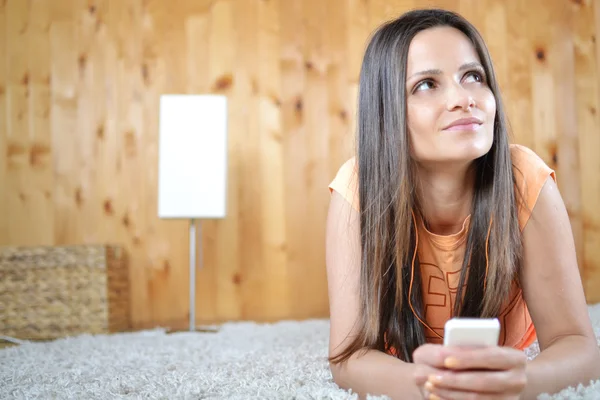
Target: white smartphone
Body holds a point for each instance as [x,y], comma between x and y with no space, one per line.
[475,332]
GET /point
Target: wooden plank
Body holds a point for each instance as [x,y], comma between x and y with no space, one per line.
[133,146]
[567,157]
[197,29]
[83,196]
[586,25]
[63,72]
[555,137]
[311,278]
[543,94]
[357,39]
[293,108]
[40,169]
[272,158]
[18,187]
[94,90]
[358,34]
[450,5]
[379,12]
[222,63]
[80,181]
[124,194]
[474,12]
[248,89]
[342,133]
[4,226]
[159,248]
[62,10]
[86,206]
[554,115]
[518,90]
[95,63]
[174,233]
[394,9]
[495,34]
[17,25]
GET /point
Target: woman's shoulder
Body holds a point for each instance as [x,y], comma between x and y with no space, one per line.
[531,173]
[345,182]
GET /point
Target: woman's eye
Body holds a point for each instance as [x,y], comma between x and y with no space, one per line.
[473,77]
[424,86]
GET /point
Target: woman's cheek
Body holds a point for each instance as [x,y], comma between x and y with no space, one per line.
[488,102]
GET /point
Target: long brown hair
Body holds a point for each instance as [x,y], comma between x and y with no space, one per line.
[388,199]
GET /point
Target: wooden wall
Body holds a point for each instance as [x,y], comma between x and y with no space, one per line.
[79,88]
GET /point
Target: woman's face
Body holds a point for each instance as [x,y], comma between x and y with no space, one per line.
[450,107]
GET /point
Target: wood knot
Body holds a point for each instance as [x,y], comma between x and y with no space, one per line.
[108,207]
[145,73]
[223,83]
[130,143]
[540,54]
[82,61]
[100,132]
[14,150]
[553,152]
[78,197]
[298,105]
[37,153]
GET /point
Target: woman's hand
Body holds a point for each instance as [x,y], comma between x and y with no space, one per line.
[453,373]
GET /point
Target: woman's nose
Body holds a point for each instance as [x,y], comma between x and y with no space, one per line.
[459,97]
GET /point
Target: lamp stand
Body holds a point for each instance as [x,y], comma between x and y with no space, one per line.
[193,243]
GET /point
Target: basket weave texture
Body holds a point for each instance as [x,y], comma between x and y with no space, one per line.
[57,291]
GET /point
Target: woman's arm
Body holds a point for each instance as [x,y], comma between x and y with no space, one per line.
[377,373]
[555,298]
[371,372]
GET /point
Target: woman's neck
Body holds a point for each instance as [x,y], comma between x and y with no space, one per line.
[445,197]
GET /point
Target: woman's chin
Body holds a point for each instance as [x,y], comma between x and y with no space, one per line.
[469,151]
[455,155]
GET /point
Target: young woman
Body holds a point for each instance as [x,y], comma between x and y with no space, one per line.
[439,216]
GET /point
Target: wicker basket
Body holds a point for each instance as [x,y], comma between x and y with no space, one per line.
[52,292]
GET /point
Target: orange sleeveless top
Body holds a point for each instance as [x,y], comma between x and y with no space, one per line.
[441,256]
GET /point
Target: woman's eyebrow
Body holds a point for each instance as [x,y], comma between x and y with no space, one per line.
[463,67]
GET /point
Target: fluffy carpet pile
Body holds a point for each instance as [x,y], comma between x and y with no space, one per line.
[285,360]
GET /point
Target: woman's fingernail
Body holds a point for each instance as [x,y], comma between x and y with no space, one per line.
[429,386]
[434,379]
[433,396]
[451,362]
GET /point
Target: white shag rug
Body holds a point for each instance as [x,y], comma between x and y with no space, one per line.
[244,360]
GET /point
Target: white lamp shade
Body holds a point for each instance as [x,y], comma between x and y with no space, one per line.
[192,156]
